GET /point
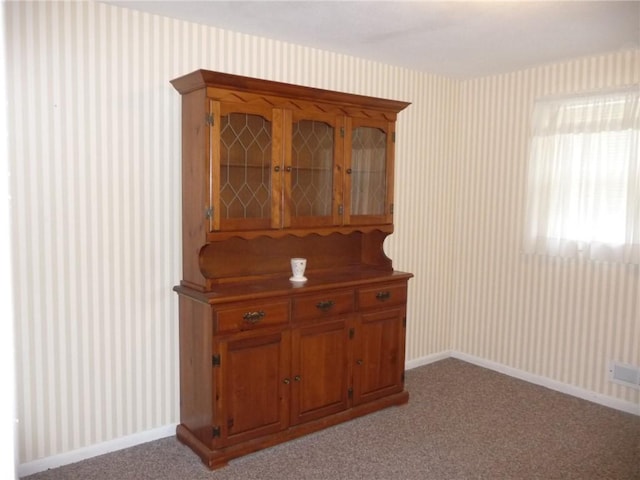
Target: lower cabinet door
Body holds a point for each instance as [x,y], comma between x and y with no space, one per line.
[320,370]
[251,384]
[378,364]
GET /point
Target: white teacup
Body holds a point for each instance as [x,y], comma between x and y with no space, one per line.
[298,266]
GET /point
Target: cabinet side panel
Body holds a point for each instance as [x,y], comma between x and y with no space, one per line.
[195,187]
[196,378]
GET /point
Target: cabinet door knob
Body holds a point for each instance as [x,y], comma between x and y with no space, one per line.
[297,378]
[349,171]
[359,361]
[276,168]
[288,168]
[286,381]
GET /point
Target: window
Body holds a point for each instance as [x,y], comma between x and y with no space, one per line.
[583,195]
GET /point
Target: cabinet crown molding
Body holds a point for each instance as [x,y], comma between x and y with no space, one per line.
[207,78]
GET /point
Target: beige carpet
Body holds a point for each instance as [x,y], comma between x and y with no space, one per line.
[462,422]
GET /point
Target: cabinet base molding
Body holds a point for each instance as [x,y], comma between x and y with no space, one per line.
[220,458]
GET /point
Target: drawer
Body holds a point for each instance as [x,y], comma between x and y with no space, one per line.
[323,305]
[252,316]
[382,296]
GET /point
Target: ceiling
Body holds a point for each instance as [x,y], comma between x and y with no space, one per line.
[459,39]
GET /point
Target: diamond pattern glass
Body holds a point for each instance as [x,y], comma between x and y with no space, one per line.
[312,168]
[368,167]
[245,166]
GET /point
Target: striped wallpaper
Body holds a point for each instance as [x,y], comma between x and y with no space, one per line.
[560,319]
[95,159]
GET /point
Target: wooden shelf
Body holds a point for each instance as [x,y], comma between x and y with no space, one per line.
[281,285]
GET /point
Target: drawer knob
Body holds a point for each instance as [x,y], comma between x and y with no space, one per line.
[253,317]
[325,305]
[382,296]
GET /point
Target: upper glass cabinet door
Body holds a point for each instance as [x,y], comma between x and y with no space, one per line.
[370,174]
[244,177]
[368,171]
[311,184]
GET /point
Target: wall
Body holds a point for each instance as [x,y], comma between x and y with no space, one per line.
[95,159]
[8,427]
[557,319]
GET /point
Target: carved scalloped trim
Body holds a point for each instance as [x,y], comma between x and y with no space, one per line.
[297,232]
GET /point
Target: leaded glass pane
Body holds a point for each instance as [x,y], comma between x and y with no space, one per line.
[312,172]
[368,167]
[245,166]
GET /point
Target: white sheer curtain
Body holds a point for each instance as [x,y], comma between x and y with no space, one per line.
[583,196]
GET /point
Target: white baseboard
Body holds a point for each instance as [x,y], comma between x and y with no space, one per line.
[551,384]
[84,453]
[419,362]
[74,456]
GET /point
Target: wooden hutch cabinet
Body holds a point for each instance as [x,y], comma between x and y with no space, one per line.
[272,171]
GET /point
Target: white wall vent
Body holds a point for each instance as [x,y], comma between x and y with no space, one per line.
[625,374]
